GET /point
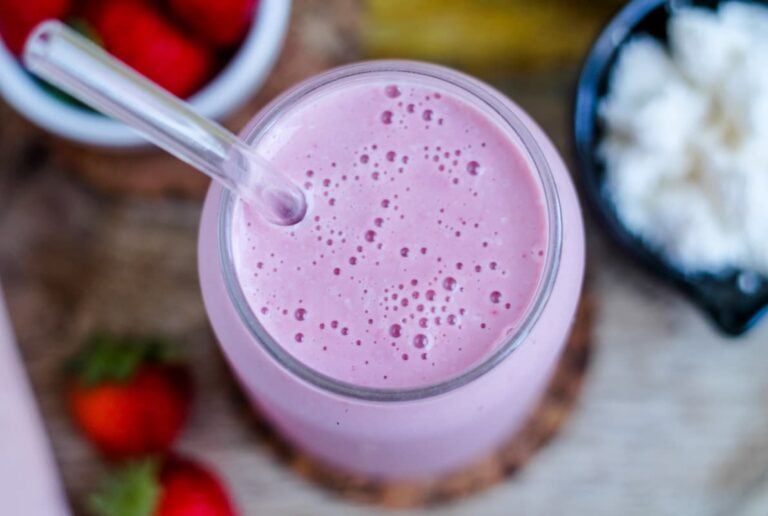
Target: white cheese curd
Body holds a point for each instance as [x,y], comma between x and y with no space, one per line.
[686,139]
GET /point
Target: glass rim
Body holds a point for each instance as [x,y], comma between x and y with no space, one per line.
[487,96]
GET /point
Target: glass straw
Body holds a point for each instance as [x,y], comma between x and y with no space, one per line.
[71,62]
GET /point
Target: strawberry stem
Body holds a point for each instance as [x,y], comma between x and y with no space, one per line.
[106,357]
[133,490]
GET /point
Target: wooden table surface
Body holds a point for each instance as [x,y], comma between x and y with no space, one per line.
[673,419]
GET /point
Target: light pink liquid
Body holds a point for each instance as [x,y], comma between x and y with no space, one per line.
[423,246]
[512,193]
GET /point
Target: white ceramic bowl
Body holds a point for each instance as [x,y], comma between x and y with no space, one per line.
[242,76]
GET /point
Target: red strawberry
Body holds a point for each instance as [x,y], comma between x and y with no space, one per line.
[222,23]
[177,487]
[128,396]
[136,33]
[19,17]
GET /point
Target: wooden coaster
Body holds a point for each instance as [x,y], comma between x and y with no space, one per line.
[550,415]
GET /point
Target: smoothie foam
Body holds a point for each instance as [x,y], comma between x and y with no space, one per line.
[423,246]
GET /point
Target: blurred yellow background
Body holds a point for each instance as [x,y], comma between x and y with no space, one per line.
[483,36]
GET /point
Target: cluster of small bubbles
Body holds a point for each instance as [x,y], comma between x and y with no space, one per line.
[416,313]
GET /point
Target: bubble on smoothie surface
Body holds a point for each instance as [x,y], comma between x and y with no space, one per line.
[392,91]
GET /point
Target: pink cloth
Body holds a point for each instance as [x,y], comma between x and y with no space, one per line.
[29,482]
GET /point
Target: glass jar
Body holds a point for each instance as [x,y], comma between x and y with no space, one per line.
[425,430]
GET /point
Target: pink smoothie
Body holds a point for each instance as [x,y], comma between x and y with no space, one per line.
[443,238]
[423,246]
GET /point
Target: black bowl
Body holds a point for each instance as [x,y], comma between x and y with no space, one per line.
[735,300]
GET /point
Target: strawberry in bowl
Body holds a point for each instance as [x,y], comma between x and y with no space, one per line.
[18,18]
[215,54]
[139,35]
[222,23]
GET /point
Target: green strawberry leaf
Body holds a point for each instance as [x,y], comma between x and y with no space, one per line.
[134,490]
[107,357]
